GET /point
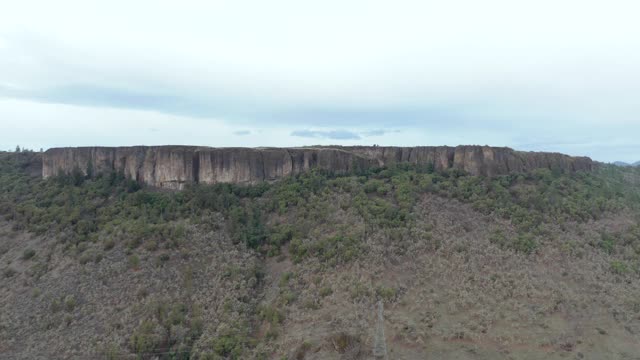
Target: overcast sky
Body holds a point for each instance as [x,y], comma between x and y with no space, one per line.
[533,75]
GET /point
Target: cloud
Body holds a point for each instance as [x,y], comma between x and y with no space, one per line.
[379,132]
[175,101]
[354,73]
[242,132]
[343,134]
[332,134]
[167,102]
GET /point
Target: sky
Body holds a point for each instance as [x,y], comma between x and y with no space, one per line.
[560,76]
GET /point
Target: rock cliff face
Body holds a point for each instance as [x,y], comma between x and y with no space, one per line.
[174,166]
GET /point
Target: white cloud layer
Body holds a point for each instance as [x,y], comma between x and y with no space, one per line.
[540,75]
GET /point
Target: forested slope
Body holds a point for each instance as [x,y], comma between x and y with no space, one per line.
[533,265]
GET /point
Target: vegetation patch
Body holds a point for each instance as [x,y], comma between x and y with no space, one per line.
[169,330]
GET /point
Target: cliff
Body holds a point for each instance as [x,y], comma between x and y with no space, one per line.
[174,166]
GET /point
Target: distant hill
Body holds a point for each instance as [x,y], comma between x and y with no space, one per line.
[622,163]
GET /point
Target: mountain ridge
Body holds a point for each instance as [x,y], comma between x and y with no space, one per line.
[622,163]
[175,166]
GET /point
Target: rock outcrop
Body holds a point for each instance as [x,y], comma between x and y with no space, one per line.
[174,166]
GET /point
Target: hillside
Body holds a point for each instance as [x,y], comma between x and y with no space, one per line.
[542,264]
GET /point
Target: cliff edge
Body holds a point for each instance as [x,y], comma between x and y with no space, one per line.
[173,167]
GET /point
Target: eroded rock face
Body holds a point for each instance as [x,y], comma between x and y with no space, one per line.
[174,166]
[163,166]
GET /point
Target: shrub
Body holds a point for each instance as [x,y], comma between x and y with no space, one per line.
[109,244]
[164,257]
[28,254]
[335,249]
[229,344]
[288,297]
[343,342]
[36,292]
[284,278]
[69,303]
[385,293]
[311,304]
[111,352]
[373,186]
[523,243]
[325,291]
[279,235]
[619,267]
[142,293]
[301,352]
[271,315]
[167,329]
[298,250]
[271,334]
[56,305]
[151,245]
[359,291]
[607,242]
[37,270]
[86,257]
[144,339]
[134,262]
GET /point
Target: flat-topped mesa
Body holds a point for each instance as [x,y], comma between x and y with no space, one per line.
[174,166]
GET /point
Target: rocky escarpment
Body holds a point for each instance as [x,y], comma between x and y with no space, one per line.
[174,166]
